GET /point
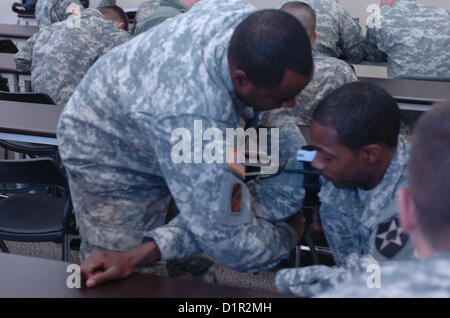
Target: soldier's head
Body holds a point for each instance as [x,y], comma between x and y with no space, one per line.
[116,15]
[270,59]
[425,206]
[305,14]
[355,130]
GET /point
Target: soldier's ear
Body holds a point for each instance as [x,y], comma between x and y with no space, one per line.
[407,210]
[241,82]
[372,154]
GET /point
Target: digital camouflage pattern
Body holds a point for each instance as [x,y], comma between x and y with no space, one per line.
[50,11]
[60,54]
[356,228]
[337,32]
[146,8]
[414,37]
[313,280]
[329,74]
[115,139]
[150,15]
[428,278]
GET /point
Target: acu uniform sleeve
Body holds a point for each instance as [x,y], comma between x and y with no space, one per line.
[215,203]
[24,57]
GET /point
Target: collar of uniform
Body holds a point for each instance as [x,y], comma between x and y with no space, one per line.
[91,13]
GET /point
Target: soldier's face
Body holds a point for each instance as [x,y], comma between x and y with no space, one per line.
[343,167]
[277,97]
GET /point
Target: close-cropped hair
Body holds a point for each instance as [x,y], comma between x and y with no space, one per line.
[115,13]
[304,12]
[267,44]
[361,114]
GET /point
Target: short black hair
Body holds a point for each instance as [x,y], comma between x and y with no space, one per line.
[267,44]
[361,114]
[115,13]
[429,175]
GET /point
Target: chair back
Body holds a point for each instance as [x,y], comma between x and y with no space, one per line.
[7,46]
[38,171]
[38,98]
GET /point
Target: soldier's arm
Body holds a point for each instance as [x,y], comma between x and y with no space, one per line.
[351,38]
[215,206]
[276,197]
[24,57]
[314,280]
[373,45]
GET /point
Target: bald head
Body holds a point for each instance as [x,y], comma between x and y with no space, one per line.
[304,13]
[429,175]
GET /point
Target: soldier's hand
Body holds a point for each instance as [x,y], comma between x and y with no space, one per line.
[103,266]
[298,223]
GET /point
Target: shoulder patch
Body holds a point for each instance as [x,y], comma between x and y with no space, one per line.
[390,238]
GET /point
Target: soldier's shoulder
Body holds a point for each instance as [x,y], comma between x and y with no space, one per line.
[327,63]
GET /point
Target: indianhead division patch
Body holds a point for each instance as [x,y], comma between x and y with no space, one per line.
[390,238]
[236,162]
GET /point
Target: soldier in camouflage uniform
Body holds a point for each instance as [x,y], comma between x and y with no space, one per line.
[355,130]
[152,13]
[329,74]
[60,54]
[115,138]
[415,39]
[424,214]
[51,11]
[338,34]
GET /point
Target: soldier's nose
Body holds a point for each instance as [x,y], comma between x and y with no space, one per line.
[316,164]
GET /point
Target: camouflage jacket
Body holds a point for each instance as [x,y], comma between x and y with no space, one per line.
[337,32]
[116,141]
[149,15]
[329,74]
[359,231]
[414,37]
[51,11]
[60,54]
[428,278]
